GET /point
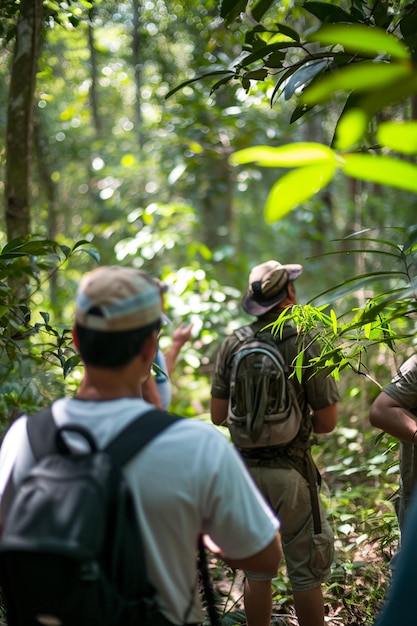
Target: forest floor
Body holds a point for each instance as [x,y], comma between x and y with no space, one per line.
[352,596]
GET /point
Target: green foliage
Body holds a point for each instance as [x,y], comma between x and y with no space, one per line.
[364,57]
[347,338]
[33,354]
[175,193]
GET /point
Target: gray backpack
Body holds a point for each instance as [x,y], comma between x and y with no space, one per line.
[263,408]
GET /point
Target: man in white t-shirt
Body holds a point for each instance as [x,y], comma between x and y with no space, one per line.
[196,483]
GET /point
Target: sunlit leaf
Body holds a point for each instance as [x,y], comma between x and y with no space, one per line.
[350,128]
[296,187]
[299,366]
[361,39]
[290,155]
[360,77]
[398,90]
[381,169]
[399,136]
[334,321]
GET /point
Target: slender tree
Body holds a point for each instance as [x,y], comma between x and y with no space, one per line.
[19,132]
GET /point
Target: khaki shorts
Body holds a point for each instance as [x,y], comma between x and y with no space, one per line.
[308,556]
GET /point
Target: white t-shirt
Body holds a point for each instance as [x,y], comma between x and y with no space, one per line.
[187,481]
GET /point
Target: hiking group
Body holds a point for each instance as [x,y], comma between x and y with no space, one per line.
[109,503]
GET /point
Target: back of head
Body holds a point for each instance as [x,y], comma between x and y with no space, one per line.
[268,284]
[117,308]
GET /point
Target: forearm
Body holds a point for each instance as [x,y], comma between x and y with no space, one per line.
[265,561]
[393,419]
[171,356]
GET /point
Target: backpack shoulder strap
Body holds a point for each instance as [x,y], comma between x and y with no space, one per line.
[138,433]
[244,332]
[42,429]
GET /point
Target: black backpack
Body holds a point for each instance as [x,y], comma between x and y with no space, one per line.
[71,553]
[263,408]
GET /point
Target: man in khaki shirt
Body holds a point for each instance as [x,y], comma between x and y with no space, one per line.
[285,487]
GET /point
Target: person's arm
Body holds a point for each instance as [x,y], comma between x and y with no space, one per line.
[218,410]
[150,392]
[325,420]
[387,414]
[267,560]
[180,336]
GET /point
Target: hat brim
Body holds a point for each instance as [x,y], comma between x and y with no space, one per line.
[253,307]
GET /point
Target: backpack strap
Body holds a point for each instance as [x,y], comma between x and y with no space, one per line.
[42,431]
[244,332]
[138,433]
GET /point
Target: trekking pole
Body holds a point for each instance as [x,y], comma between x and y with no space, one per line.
[206,583]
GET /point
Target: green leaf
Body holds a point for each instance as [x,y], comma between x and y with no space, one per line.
[296,187]
[260,8]
[399,136]
[334,321]
[381,169]
[194,80]
[290,155]
[386,95]
[230,9]
[259,74]
[350,129]
[302,76]
[361,39]
[299,366]
[328,12]
[93,253]
[262,53]
[365,76]
[287,31]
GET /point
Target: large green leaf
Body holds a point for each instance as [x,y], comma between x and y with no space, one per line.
[295,187]
[384,170]
[398,90]
[290,155]
[365,77]
[399,136]
[362,40]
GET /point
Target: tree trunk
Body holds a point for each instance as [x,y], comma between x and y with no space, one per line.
[19,130]
[137,63]
[94,81]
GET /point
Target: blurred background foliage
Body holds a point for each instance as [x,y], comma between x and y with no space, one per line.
[121,173]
